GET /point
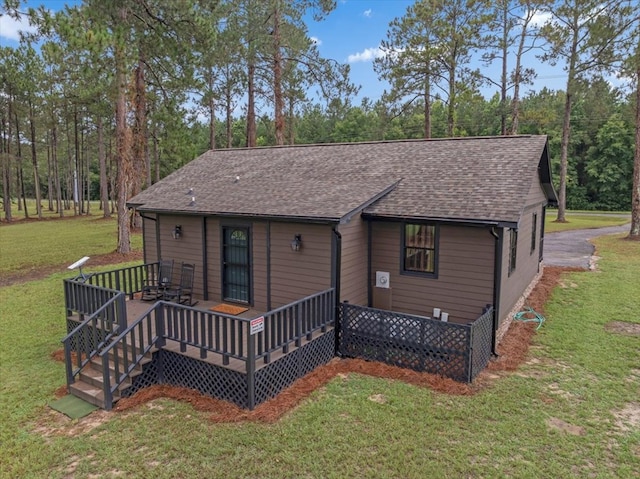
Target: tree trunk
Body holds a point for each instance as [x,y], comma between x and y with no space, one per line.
[277,78]
[87,168]
[251,106]
[503,77]
[50,188]
[451,107]
[292,133]
[6,185]
[427,107]
[140,143]
[517,79]
[34,160]
[156,152]
[122,146]
[212,111]
[564,159]
[102,165]
[20,171]
[228,119]
[6,172]
[634,233]
[56,170]
[79,177]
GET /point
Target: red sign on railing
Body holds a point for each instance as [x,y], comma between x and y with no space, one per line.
[257,325]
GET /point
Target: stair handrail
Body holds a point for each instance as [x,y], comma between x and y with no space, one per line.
[81,328]
[119,378]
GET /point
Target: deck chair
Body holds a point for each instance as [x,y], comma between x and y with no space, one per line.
[182,293]
[156,283]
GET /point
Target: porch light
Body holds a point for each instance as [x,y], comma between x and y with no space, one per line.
[296,244]
[177,232]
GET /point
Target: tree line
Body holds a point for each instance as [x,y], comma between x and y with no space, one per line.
[106,98]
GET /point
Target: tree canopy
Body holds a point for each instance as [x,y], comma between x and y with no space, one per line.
[106,98]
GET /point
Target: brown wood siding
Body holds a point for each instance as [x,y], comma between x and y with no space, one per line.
[149,244]
[296,274]
[353,268]
[213,260]
[527,261]
[259,265]
[465,272]
[187,249]
[536,194]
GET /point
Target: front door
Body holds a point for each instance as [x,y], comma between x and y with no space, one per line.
[235,264]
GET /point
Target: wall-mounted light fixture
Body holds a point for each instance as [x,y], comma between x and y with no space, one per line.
[177,232]
[296,244]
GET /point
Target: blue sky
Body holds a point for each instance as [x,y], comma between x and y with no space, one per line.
[349,34]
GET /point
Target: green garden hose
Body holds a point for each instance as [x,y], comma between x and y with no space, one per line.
[529,316]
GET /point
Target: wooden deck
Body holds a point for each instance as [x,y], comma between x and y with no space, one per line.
[137,308]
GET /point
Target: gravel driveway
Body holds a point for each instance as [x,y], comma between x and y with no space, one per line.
[572,248]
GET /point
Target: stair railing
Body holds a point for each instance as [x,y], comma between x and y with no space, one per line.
[125,352]
[92,334]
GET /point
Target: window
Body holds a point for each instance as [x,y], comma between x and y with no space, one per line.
[513,250]
[534,226]
[420,249]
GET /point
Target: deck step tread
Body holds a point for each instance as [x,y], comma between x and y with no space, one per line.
[90,393]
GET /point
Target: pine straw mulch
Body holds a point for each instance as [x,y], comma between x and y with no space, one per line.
[512,352]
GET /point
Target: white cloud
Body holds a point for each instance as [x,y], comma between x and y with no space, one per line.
[316,41]
[10,28]
[367,13]
[368,54]
[539,19]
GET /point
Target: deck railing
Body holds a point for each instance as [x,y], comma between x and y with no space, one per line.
[288,325]
[128,280]
[85,299]
[94,332]
[125,352]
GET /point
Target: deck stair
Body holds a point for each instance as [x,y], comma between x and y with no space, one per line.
[89,384]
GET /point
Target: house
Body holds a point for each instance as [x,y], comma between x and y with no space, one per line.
[455,224]
[424,247]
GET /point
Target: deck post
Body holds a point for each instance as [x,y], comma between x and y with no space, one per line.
[469,354]
[122,312]
[160,332]
[251,369]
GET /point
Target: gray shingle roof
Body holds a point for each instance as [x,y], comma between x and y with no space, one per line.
[482,179]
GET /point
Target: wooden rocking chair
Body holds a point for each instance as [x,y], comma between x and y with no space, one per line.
[153,289]
[182,293]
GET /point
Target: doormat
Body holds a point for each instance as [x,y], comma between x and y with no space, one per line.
[73,406]
[228,309]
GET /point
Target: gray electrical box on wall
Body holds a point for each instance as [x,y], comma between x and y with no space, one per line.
[382,279]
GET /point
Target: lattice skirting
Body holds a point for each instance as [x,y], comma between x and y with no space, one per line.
[456,351]
[168,367]
[280,374]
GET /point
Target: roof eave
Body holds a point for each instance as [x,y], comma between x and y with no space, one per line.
[286,218]
[446,220]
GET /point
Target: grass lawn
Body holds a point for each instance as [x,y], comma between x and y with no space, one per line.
[579,220]
[571,411]
[34,244]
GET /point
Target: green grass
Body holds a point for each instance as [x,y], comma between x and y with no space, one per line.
[577,373]
[18,215]
[582,221]
[35,244]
